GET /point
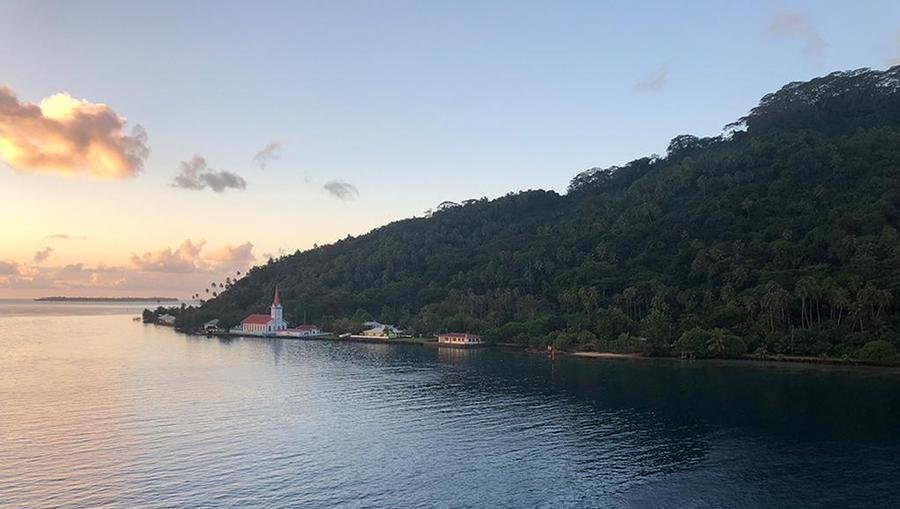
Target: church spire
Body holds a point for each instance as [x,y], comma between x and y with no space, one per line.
[277,300]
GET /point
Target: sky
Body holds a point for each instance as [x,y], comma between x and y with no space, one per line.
[152,148]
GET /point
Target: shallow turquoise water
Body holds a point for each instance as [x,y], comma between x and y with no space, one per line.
[100,411]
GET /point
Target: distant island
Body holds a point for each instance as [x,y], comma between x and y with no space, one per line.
[106,299]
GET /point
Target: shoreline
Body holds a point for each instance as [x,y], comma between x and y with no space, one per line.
[748,359]
[324,337]
[605,355]
[582,354]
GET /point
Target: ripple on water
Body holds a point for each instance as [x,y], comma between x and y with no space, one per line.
[98,411]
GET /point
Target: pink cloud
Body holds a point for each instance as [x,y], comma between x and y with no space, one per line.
[186,258]
[788,24]
[242,253]
[8,268]
[64,135]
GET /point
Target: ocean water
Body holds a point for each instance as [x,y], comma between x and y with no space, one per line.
[99,411]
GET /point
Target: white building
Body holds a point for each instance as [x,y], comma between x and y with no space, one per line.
[300,331]
[166,319]
[459,339]
[264,325]
[380,331]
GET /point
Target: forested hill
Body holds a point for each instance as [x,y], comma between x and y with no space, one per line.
[780,236]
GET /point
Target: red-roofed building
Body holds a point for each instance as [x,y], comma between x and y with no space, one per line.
[264,325]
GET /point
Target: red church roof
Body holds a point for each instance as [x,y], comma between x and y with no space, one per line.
[277,300]
[261,319]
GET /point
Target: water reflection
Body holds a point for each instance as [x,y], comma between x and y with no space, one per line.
[277,346]
[99,410]
[451,354]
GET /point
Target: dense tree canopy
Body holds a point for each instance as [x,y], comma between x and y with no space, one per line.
[780,237]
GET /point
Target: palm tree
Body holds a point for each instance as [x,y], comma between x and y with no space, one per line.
[871,302]
[804,291]
[589,299]
[818,291]
[775,300]
[569,300]
[749,304]
[840,300]
[630,295]
[716,342]
[883,299]
[660,300]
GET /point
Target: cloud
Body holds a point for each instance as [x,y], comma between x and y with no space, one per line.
[269,153]
[65,236]
[196,175]
[232,254]
[894,58]
[8,268]
[42,255]
[193,256]
[787,24]
[654,81]
[179,272]
[341,190]
[67,136]
[78,279]
[184,259]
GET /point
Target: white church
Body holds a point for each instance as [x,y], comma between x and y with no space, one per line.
[264,325]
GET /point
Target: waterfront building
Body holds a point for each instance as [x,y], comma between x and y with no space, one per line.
[264,325]
[459,339]
[211,326]
[166,319]
[300,331]
[380,331]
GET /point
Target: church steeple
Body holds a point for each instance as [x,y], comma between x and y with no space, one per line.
[277,313]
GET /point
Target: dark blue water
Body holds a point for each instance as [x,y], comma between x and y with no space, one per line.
[99,411]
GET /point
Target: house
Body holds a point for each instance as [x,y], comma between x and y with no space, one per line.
[166,319]
[459,339]
[300,331]
[264,325]
[211,326]
[380,331]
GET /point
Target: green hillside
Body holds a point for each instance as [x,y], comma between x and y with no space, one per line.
[779,237]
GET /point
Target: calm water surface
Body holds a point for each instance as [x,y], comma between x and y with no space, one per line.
[99,411]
